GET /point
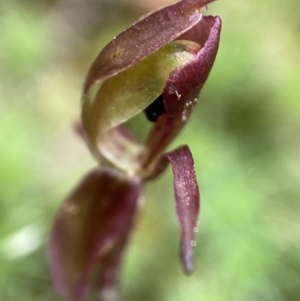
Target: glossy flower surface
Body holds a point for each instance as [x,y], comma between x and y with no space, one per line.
[158,65]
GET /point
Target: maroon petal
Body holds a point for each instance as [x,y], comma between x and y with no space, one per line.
[143,38]
[89,235]
[183,87]
[187,201]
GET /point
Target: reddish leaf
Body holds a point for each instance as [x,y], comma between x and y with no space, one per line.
[89,235]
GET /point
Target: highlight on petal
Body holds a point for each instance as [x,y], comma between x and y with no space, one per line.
[187,202]
[181,91]
[90,233]
[143,38]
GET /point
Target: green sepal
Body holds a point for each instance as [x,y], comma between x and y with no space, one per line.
[129,92]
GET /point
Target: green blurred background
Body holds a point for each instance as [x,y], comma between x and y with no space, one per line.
[244,137]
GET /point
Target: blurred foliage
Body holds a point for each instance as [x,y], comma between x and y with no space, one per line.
[244,137]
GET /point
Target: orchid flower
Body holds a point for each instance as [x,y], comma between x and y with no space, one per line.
[157,66]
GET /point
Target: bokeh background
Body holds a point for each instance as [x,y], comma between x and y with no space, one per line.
[244,137]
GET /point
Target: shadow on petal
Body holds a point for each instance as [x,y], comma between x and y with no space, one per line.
[90,233]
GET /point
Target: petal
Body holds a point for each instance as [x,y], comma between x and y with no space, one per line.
[187,201]
[131,91]
[89,235]
[187,198]
[143,38]
[182,89]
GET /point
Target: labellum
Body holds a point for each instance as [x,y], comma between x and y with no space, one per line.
[157,66]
